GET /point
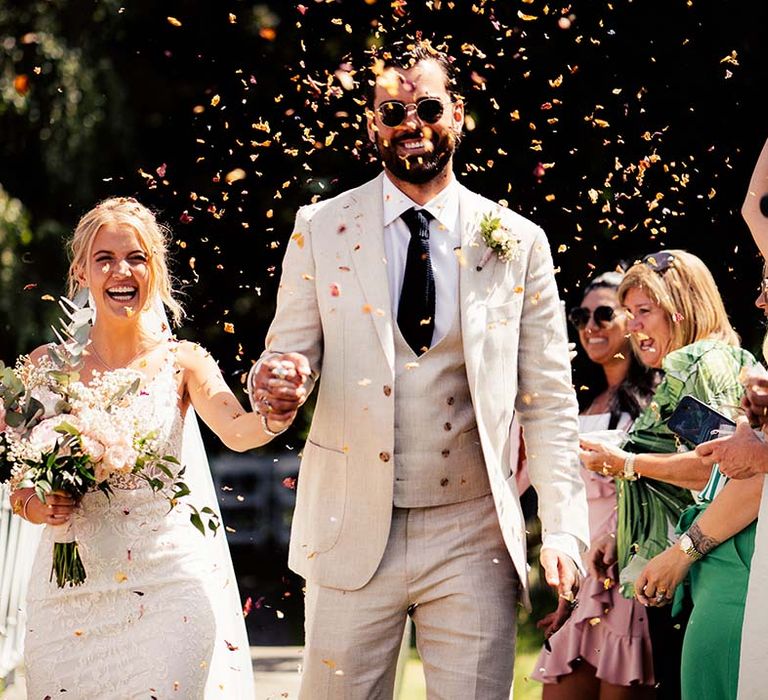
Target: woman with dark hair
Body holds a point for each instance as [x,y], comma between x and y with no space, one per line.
[604,649]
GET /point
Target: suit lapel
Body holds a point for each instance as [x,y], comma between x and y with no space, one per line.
[476,273]
[365,214]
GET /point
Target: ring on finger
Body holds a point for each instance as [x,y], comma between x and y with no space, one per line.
[279,372]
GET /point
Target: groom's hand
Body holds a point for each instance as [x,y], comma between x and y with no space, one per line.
[560,572]
[279,386]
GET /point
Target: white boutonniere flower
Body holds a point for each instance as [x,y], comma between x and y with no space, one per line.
[499,240]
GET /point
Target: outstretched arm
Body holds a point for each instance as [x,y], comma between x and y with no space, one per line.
[685,469]
[219,408]
[752,211]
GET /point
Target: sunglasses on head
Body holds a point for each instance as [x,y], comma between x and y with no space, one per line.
[394,112]
[579,316]
[659,262]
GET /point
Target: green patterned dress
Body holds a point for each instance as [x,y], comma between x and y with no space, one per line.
[649,510]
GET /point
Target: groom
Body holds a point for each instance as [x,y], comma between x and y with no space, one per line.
[428,341]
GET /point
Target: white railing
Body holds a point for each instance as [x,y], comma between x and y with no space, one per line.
[18,542]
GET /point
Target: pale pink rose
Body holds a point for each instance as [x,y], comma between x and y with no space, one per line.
[3,424]
[44,436]
[99,472]
[119,458]
[93,448]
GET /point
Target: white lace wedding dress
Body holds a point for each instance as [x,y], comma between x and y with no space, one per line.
[144,622]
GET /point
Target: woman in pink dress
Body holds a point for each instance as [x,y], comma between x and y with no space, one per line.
[604,650]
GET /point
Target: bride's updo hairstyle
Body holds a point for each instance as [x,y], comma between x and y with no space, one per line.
[153,236]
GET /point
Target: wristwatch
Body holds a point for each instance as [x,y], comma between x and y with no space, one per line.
[687,545]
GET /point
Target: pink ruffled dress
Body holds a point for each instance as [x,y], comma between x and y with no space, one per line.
[606,630]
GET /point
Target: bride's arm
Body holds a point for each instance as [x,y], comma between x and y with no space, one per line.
[219,408]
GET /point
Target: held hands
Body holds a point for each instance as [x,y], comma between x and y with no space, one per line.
[278,388]
[561,573]
[602,458]
[739,456]
[662,575]
[551,622]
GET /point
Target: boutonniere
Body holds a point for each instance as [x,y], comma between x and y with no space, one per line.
[498,239]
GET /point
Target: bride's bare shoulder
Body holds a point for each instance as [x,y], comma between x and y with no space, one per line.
[39,353]
[191,355]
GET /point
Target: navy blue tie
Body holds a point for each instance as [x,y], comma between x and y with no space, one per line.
[416,309]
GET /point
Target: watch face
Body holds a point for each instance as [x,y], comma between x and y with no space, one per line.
[686,544]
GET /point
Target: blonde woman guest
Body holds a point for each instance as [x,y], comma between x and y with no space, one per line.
[679,324]
[604,650]
[159,605]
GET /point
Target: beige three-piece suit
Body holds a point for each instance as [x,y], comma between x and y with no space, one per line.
[406,497]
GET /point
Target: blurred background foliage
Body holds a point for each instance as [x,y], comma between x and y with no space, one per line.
[621,127]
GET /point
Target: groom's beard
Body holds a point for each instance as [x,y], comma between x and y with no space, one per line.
[421,168]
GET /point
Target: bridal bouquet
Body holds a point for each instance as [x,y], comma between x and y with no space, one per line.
[61,435]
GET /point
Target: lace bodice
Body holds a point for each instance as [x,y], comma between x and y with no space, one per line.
[157,404]
[159,613]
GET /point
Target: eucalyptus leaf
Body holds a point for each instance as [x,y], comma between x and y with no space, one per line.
[14,419]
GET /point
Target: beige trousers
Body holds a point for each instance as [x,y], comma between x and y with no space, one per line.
[449,568]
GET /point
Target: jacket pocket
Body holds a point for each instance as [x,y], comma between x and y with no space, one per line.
[320,497]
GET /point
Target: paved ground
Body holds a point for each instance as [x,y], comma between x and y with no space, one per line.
[275,671]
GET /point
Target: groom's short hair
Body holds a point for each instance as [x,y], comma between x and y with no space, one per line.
[406,54]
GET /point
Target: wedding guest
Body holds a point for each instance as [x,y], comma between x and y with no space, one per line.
[158,613]
[745,456]
[604,650]
[430,337]
[679,325]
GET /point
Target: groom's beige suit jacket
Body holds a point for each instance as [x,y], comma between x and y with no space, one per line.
[334,306]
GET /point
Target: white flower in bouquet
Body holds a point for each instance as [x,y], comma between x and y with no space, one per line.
[43,437]
[50,400]
[119,458]
[93,448]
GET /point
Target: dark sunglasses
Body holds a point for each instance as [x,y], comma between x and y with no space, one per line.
[394,112]
[659,262]
[579,316]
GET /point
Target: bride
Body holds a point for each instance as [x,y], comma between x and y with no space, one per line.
[159,613]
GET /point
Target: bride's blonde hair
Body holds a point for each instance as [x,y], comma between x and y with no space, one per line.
[154,238]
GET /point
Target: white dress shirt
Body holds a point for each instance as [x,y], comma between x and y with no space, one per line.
[444,240]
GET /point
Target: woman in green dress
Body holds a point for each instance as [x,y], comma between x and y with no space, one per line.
[678,324]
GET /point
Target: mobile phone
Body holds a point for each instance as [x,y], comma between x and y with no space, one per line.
[696,422]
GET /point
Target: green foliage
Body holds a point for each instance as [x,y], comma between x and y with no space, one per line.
[23,316]
[60,96]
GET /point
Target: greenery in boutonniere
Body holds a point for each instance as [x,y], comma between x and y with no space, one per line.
[498,238]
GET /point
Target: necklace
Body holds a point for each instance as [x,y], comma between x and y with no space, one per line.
[97,355]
